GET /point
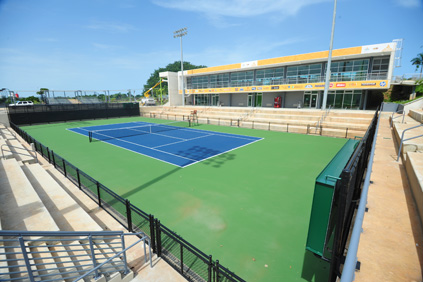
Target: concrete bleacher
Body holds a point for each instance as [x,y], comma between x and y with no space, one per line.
[412,151]
[37,197]
[336,123]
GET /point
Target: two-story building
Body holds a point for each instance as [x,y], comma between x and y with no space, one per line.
[359,76]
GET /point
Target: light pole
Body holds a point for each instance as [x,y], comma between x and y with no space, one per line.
[327,80]
[180,33]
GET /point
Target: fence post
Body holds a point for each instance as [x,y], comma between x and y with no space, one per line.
[217,270]
[48,154]
[182,258]
[269,126]
[287,127]
[210,269]
[346,133]
[252,126]
[98,194]
[129,215]
[79,178]
[152,233]
[158,238]
[308,128]
[64,167]
[54,160]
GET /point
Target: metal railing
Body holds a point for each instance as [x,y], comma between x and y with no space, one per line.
[62,255]
[411,138]
[397,112]
[351,258]
[7,149]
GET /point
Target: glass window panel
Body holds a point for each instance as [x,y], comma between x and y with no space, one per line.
[356,101]
[338,101]
[347,101]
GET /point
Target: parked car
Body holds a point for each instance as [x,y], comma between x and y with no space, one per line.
[23,103]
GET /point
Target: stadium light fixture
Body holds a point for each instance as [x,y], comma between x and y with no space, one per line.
[180,33]
[327,79]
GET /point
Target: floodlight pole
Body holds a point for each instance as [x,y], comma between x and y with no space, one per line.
[180,33]
[327,80]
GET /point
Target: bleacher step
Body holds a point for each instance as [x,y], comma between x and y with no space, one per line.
[21,153]
[22,208]
[68,215]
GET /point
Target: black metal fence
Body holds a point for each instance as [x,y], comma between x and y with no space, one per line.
[346,198]
[66,112]
[185,258]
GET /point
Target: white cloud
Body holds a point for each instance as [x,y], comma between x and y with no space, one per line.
[111,27]
[218,9]
[409,3]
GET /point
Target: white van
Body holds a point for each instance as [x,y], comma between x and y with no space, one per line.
[148,102]
[23,103]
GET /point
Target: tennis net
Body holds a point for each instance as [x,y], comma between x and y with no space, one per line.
[116,133]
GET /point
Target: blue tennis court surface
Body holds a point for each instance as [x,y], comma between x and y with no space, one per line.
[171,143]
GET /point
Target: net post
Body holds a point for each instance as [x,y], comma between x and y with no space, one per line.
[90,136]
[128,215]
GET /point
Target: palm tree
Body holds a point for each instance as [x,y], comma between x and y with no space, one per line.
[418,62]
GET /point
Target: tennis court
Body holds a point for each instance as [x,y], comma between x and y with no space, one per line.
[175,143]
[250,207]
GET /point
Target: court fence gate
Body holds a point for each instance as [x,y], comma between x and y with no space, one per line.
[185,258]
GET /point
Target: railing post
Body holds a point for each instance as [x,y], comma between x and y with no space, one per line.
[287,127]
[98,194]
[25,255]
[128,215]
[124,254]
[152,233]
[158,238]
[48,154]
[217,270]
[79,178]
[346,133]
[210,269]
[93,255]
[64,167]
[54,160]
[182,258]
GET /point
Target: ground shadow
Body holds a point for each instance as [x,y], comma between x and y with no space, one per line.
[211,157]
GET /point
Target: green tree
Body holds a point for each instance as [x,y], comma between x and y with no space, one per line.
[174,67]
[419,86]
[418,62]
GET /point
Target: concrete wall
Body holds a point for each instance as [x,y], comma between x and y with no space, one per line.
[175,99]
[415,105]
[269,99]
[293,98]
[239,100]
[416,115]
[225,100]
[414,167]
[4,119]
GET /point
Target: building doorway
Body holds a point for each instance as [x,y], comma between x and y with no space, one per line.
[255,99]
[310,99]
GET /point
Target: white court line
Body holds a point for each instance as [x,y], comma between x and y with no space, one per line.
[194,161]
[183,140]
[117,139]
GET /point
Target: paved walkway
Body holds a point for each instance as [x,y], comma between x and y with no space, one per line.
[391,245]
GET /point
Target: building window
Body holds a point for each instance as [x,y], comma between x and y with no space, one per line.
[344,99]
[269,76]
[244,78]
[304,74]
[380,68]
[219,80]
[349,70]
[198,82]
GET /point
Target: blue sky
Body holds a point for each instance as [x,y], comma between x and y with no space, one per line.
[104,44]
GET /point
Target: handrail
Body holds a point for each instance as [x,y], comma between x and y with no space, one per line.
[145,238]
[403,140]
[9,146]
[397,112]
[351,259]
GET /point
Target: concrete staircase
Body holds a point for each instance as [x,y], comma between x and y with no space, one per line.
[336,123]
[412,152]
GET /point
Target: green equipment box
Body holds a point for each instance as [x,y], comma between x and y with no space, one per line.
[320,231]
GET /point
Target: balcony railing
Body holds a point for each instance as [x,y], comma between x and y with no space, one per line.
[347,76]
